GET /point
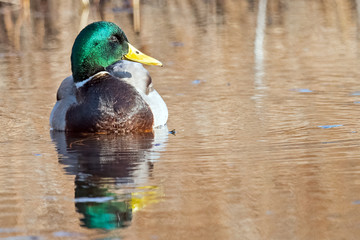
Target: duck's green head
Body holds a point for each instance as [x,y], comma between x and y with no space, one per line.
[99,45]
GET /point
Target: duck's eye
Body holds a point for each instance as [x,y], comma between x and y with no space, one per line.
[113,39]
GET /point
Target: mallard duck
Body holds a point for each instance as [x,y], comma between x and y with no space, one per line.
[106,92]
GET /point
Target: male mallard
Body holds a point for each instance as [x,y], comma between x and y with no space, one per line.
[106,93]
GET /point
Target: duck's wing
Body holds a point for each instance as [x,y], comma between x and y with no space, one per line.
[65,99]
[136,75]
[106,103]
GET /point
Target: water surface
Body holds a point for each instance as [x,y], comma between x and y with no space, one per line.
[263,98]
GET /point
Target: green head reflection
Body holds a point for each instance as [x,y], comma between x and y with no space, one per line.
[107,210]
[101,208]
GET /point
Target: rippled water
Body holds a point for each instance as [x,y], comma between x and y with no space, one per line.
[263,96]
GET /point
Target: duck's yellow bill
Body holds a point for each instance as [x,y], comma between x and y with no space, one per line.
[137,56]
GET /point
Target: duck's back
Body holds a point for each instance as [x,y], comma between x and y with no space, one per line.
[108,104]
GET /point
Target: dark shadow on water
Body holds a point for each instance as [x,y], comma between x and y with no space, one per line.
[112,174]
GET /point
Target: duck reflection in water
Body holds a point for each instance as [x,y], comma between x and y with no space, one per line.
[112,174]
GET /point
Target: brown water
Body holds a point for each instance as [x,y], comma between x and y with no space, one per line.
[265,100]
